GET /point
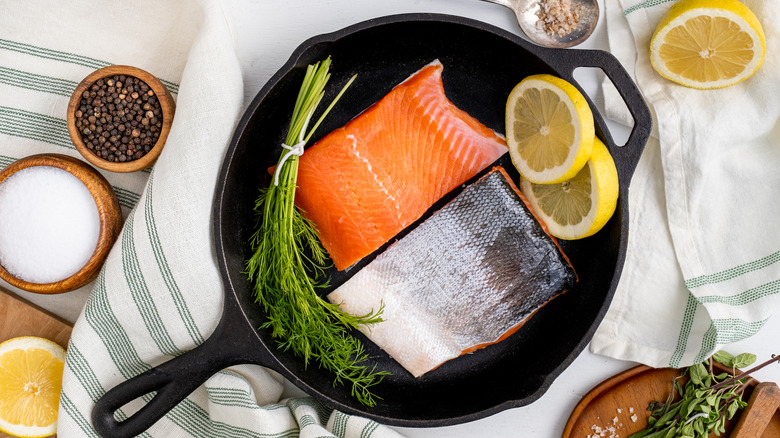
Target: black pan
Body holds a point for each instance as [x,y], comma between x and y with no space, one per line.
[482,64]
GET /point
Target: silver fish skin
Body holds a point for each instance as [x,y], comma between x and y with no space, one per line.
[471,273]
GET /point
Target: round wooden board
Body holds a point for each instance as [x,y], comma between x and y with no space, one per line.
[610,403]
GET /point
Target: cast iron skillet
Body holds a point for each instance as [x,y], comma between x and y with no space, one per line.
[481,65]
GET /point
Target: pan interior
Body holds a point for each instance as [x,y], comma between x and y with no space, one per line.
[480,69]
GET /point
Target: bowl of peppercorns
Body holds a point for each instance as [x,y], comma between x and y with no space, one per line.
[119,118]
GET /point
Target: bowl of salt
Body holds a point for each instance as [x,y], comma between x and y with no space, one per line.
[59,218]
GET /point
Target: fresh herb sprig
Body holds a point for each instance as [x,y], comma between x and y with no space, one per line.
[286,277]
[706,401]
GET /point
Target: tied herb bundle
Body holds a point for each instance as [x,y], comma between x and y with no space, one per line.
[706,401]
[286,276]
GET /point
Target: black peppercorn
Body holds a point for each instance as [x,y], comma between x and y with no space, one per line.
[119,118]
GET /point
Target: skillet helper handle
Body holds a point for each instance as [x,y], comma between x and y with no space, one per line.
[171,383]
[174,380]
[627,156]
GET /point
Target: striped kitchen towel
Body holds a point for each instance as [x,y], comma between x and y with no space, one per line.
[703,263]
[159,293]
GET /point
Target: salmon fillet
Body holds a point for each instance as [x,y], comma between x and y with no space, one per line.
[467,277]
[365,182]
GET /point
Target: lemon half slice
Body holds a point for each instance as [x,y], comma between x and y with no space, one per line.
[708,43]
[549,129]
[581,206]
[30,384]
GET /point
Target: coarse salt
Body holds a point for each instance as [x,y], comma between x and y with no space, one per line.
[558,17]
[49,224]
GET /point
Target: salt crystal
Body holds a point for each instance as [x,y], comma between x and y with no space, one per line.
[634,418]
[49,224]
[558,16]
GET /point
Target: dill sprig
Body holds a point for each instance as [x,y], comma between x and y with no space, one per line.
[286,276]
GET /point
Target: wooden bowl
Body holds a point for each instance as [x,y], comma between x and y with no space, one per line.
[109,214]
[167,106]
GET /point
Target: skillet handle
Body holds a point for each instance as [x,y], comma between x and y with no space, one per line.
[174,380]
[627,156]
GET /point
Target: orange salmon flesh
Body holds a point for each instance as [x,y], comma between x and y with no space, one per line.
[365,182]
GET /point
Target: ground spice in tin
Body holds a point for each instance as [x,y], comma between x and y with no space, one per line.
[119,118]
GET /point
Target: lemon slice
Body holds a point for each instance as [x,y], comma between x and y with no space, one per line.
[549,129]
[578,207]
[30,384]
[708,43]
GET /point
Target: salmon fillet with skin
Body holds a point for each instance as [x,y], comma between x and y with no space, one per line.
[467,277]
[365,182]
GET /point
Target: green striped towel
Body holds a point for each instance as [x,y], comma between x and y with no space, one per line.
[703,264]
[159,293]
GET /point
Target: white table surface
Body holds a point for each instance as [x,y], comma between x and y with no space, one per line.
[266,32]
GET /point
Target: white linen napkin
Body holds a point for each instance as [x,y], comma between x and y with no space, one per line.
[159,293]
[703,263]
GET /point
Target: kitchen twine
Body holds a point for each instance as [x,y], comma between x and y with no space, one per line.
[296,149]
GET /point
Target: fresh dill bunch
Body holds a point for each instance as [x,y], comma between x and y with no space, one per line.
[286,277]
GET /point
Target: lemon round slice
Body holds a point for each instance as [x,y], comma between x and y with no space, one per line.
[549,129]
[708,43]
[30,384]
[578,207]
